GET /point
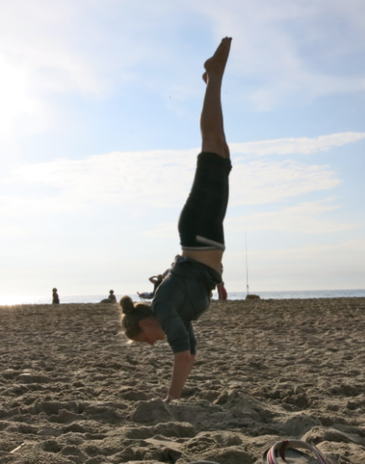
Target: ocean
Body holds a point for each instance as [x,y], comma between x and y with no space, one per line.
[282,295]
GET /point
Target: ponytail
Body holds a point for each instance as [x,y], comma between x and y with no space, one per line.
[132,314]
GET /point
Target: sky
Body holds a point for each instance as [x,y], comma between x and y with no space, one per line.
[99,131]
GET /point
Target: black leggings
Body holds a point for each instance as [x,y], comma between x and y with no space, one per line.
[201,220]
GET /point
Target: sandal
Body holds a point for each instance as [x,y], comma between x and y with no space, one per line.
[289,448]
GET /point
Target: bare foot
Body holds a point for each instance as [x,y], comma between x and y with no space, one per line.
[217,62]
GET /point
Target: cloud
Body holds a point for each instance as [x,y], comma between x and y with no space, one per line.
[14,97]
[64,45]
[164,230]
[86,50]
[156,179]
[10,230]
[304,218]
[289,50]
[283,50]
[343,251]
[334,266]
[90,48]
[258,182]
[162,178]
[302,145]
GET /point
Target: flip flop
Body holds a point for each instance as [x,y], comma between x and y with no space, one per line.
[285,452]
[203,462]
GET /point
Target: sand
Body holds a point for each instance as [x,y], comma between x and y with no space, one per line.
[73,391]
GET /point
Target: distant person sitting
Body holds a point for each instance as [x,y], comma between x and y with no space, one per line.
[55,297]
[111,298]
[145,295]
[156,281]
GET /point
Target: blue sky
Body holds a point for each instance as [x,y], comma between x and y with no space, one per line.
[99,132]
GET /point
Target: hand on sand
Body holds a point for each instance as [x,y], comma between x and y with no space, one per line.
[217,63]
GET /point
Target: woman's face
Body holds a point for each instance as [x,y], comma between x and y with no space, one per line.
[151,332]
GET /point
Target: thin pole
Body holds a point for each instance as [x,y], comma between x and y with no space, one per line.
[247,286]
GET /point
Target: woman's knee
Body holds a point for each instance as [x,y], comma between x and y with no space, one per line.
[216,145]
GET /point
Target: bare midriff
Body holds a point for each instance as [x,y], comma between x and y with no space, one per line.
[211,258]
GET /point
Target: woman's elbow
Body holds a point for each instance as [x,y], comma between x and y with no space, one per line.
[184,357]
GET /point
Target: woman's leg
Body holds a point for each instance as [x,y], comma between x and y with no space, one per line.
[213,142]
[211,121]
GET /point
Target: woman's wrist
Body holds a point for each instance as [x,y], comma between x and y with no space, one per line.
[170,398]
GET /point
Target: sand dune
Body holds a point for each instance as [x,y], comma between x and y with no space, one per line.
[73,391]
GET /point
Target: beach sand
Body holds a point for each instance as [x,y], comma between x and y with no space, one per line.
[73,391]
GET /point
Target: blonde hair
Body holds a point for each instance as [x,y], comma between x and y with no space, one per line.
[132,314]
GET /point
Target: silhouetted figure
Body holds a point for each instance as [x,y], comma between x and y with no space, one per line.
[156,281]
[55,297]
[111,298]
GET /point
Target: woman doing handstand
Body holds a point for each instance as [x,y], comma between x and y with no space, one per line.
[185,292]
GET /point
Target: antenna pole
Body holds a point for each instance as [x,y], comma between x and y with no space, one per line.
[247,286]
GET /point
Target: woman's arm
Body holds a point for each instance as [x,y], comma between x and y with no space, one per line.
[183,363]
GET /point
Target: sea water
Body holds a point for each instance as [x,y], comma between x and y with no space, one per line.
[277,295]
